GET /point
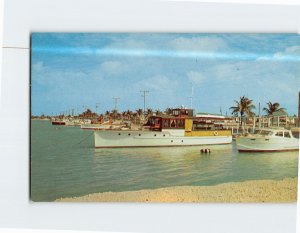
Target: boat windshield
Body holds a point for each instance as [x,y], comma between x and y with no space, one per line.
[263,132]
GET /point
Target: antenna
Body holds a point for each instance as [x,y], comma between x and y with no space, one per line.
[116,99]
[144,96]
[191,97]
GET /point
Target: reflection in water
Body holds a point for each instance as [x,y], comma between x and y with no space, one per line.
[64,165]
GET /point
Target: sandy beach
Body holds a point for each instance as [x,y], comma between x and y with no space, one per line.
[248,191]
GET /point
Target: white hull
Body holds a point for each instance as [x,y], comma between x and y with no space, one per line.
[122,138]
[72,123]
[94,126]
[258,144]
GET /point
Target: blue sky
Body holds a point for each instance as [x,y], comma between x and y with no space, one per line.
[78,70]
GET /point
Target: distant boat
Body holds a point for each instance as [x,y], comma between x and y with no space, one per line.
[65,121]
[103,126]
[58,122]
[95,126]
[179,129]
[268,140]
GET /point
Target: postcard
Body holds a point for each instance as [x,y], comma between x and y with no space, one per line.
[164,117]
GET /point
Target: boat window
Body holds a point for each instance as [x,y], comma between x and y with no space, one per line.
[180,123]
[265,132]
[287,134]
[279,134]
[166,123]
[175,112]
[173,123]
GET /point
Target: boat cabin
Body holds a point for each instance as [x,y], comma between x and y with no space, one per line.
[274,133]
[183,121]
[165,122]
[182,112]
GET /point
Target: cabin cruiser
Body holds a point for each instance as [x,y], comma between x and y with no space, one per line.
[267,140]
[180,128]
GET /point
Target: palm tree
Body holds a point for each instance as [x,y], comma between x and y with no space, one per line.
[139,111]
[158,112]
[100,118]
[149,112]
[114,113]
[272,108]
[140,114]
[129,114]
[124,115]
[107,114]
[168,111]
[243,107]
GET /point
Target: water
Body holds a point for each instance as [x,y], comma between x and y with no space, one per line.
[64,163]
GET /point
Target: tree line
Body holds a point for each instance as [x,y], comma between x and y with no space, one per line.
[244,107]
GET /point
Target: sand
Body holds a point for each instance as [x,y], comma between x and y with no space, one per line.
[248,191]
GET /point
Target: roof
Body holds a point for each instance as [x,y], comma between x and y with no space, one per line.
[280,113]
[206,113]
[210,115]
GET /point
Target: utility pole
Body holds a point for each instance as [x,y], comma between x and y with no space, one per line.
[299,110]
[116,99]
[144,96]
[97,106]
[191,97]
[259,115]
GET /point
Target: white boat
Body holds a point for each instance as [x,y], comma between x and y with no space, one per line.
[180,129]
[268,140]
[58,121]
[103,126]
[72,122]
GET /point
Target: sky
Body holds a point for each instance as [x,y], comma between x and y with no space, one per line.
[81,70]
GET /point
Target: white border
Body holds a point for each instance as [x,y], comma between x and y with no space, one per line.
[263,2]
[23,17]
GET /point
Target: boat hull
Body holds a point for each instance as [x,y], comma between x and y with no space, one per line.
[249,144]
[124,139]
[94,126]
[58,123]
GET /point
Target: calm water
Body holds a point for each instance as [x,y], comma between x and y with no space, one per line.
[64,163]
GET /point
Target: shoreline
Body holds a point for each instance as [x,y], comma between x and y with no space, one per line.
[278,191]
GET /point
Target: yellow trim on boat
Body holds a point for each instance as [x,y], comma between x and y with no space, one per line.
[188,125]
[207,133]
